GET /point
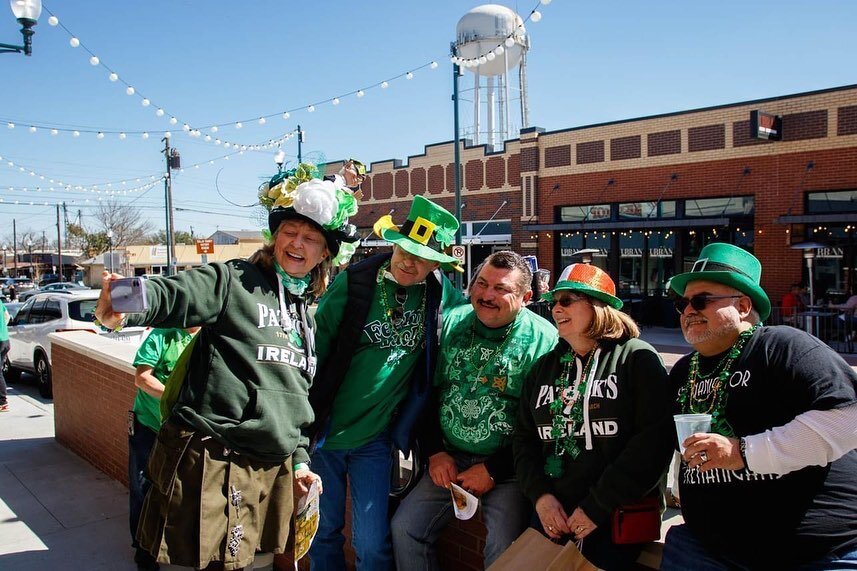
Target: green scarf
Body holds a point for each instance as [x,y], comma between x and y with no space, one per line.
[295,286]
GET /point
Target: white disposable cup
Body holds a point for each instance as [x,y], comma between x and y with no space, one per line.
[688,424]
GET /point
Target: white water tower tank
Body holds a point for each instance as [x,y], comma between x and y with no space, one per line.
[490,41]
[483,29]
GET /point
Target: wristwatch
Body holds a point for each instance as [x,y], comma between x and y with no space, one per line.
[742,449]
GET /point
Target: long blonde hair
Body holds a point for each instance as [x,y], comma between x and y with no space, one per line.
[319,275]
[609,323]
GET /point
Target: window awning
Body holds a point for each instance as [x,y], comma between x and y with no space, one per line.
[599,226]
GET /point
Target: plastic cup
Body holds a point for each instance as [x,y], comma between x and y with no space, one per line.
[688,424]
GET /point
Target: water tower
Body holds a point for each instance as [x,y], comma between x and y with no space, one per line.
[491,41]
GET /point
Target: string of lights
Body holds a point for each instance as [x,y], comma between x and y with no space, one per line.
[193,131]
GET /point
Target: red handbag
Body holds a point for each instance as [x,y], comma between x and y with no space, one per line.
[639,522]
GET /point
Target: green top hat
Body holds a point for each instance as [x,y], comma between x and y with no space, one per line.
[427,232]
[728,265]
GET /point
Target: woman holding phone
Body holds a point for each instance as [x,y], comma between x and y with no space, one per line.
[226,459]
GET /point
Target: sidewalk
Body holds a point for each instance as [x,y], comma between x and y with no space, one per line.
[58,512]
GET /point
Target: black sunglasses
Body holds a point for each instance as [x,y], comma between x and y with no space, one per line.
[568,299]
[699,301]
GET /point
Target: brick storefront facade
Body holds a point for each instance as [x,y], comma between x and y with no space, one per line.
[688,155]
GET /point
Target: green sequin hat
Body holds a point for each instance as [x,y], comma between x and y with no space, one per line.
[731,266]
[427,233]
[586,279]
[302,194]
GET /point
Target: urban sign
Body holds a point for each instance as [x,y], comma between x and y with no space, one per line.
[204,246]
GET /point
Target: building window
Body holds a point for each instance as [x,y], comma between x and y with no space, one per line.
[641,210]
[585,213]
[711,207]
[839,201]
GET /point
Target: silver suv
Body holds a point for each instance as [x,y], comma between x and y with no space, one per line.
[45,313]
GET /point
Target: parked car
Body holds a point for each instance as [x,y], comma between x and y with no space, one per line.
[21,285]
[57,286]
[12,307]
[29,346]
[48,279]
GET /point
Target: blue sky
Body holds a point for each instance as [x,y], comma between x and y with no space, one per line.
[219,62]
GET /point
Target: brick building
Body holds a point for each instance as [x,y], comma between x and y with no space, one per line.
[648,193]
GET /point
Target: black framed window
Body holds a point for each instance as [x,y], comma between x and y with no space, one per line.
[837,201]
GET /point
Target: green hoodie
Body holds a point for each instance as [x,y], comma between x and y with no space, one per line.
[248,380]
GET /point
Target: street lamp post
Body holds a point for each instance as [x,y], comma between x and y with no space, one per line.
[30,256]
[5,248]
[27,13]
[110,247]
[280,158]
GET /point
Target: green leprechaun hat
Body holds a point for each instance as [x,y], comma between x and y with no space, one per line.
[427,233]
[728,265]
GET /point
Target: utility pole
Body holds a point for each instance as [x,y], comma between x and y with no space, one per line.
[300,140]
[15,246]
[59,243]
[173,161]
[65,220]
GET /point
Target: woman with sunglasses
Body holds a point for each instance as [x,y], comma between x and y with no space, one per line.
[594,429]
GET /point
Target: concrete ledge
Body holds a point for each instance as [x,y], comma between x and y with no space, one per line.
[110,352]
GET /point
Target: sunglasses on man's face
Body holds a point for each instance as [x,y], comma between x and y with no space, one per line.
[699,301]
[568,299]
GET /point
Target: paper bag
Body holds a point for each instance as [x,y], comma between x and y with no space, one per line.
[535,552]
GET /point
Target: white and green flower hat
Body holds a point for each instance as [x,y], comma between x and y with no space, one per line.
[301,193]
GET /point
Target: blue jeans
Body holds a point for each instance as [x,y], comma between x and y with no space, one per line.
[427,510]
[4,348]
[139,447]
[367,469]
[683,551]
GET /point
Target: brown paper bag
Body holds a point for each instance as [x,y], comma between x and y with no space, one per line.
[535,552]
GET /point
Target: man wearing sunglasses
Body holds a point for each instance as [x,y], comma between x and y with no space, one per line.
[773,485]
[487,348]
[377,344]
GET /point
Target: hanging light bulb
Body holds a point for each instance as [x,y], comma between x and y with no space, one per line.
[53,21]
[214,129]
[100,135]
[207,138]
[490,56]
[360,93]
[311,108]
[94,60]
[483,60]
[286,115]
[145,135]
[33,129]
[499,50]
[433,65]
[545,2]
[112,76]
[536,16]
[262,120]
[510,41]
[335,101]
[54,132]
[384,85]
[186,127]
[159,112]
[122,136]
[130,90]
[167,134]
[145,102]
[409,75]
[173,120]
[238,125]
[74,42]
[75,134]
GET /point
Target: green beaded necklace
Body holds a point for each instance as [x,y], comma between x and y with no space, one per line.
[567,444]
[715,402]
[397,330]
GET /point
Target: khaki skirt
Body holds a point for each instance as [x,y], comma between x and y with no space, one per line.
[210,504]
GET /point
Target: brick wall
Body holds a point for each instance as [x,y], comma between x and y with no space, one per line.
[91,403]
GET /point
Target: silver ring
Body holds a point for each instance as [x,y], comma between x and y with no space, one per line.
[550,528]
[579,528]
[703,456]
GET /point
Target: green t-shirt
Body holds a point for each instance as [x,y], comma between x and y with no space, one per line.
[480,375]
[377,379]
[4,329]
[160,350]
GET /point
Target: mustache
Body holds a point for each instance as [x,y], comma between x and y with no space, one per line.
[484,303]
[694,319]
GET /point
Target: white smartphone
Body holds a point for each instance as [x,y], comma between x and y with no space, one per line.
[128,295]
